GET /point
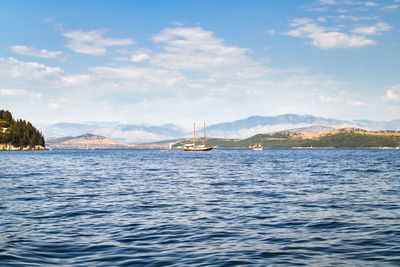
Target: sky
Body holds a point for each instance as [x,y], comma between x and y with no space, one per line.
[158,62]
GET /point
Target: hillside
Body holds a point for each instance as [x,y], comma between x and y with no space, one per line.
[312,129]
[18,134]
[340,138]
[87,141]
[91,141]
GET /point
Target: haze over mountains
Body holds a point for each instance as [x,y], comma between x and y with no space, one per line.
[243,128]
[120,132]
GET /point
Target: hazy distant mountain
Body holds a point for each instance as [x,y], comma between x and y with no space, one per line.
[87,141]
[142,134]
[243,128]
[379,125]
[83,142]
[262,124]
[63,129]
[91,141]
[120,132]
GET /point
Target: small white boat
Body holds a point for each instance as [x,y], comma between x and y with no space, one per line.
[256,147]
[169,147]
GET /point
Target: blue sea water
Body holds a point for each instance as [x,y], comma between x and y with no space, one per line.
[218,208]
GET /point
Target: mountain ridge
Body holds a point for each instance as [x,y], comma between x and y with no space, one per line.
[86,141]
[301,138]
[243,128]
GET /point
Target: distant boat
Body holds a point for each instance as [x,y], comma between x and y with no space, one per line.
[256,147]
[169,148]
[193,146]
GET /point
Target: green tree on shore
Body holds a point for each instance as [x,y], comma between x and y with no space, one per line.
[19,133]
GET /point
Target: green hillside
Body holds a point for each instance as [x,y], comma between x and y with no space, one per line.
[18,134]
[342,138]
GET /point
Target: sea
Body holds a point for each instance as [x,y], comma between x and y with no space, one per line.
[278,207]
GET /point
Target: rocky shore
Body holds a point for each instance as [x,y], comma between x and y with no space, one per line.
[7,147]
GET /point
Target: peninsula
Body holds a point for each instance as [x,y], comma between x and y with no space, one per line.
[19,134]
[303,138]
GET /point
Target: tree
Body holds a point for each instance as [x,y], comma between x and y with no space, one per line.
[20,133]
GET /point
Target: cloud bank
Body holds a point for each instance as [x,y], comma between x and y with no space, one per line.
[34,52]
[325,38]
[93,42]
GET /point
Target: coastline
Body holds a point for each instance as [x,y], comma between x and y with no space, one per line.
[216,148]
[8,147]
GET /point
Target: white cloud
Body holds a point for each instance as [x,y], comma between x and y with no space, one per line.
[370,4]
[355,103]
[323,38]
[139,57]
[14,68]
[137,78]
[340,18]
[390,7]
[342,97]
[354,18]
[76,80]
[34,52]
[196,49]
[348,2]
[330,100]
[34,73]
[270,32]
[392,94]
[373,30]
[19,93]
[93,42]
[328,2]
[53,105]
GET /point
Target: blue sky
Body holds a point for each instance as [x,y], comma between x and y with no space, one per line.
[156,62]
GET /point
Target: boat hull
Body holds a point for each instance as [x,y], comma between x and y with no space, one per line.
[194,149]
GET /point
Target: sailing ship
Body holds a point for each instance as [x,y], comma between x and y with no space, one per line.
[193,146]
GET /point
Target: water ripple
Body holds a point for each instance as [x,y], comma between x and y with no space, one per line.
[226,207]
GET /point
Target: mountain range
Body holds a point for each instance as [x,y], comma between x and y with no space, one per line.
[308,137]
[244,128]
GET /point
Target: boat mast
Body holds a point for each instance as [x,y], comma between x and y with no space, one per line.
[205,141]
[194,134]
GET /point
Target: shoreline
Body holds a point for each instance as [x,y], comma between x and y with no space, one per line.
[7,147]
[217,148]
